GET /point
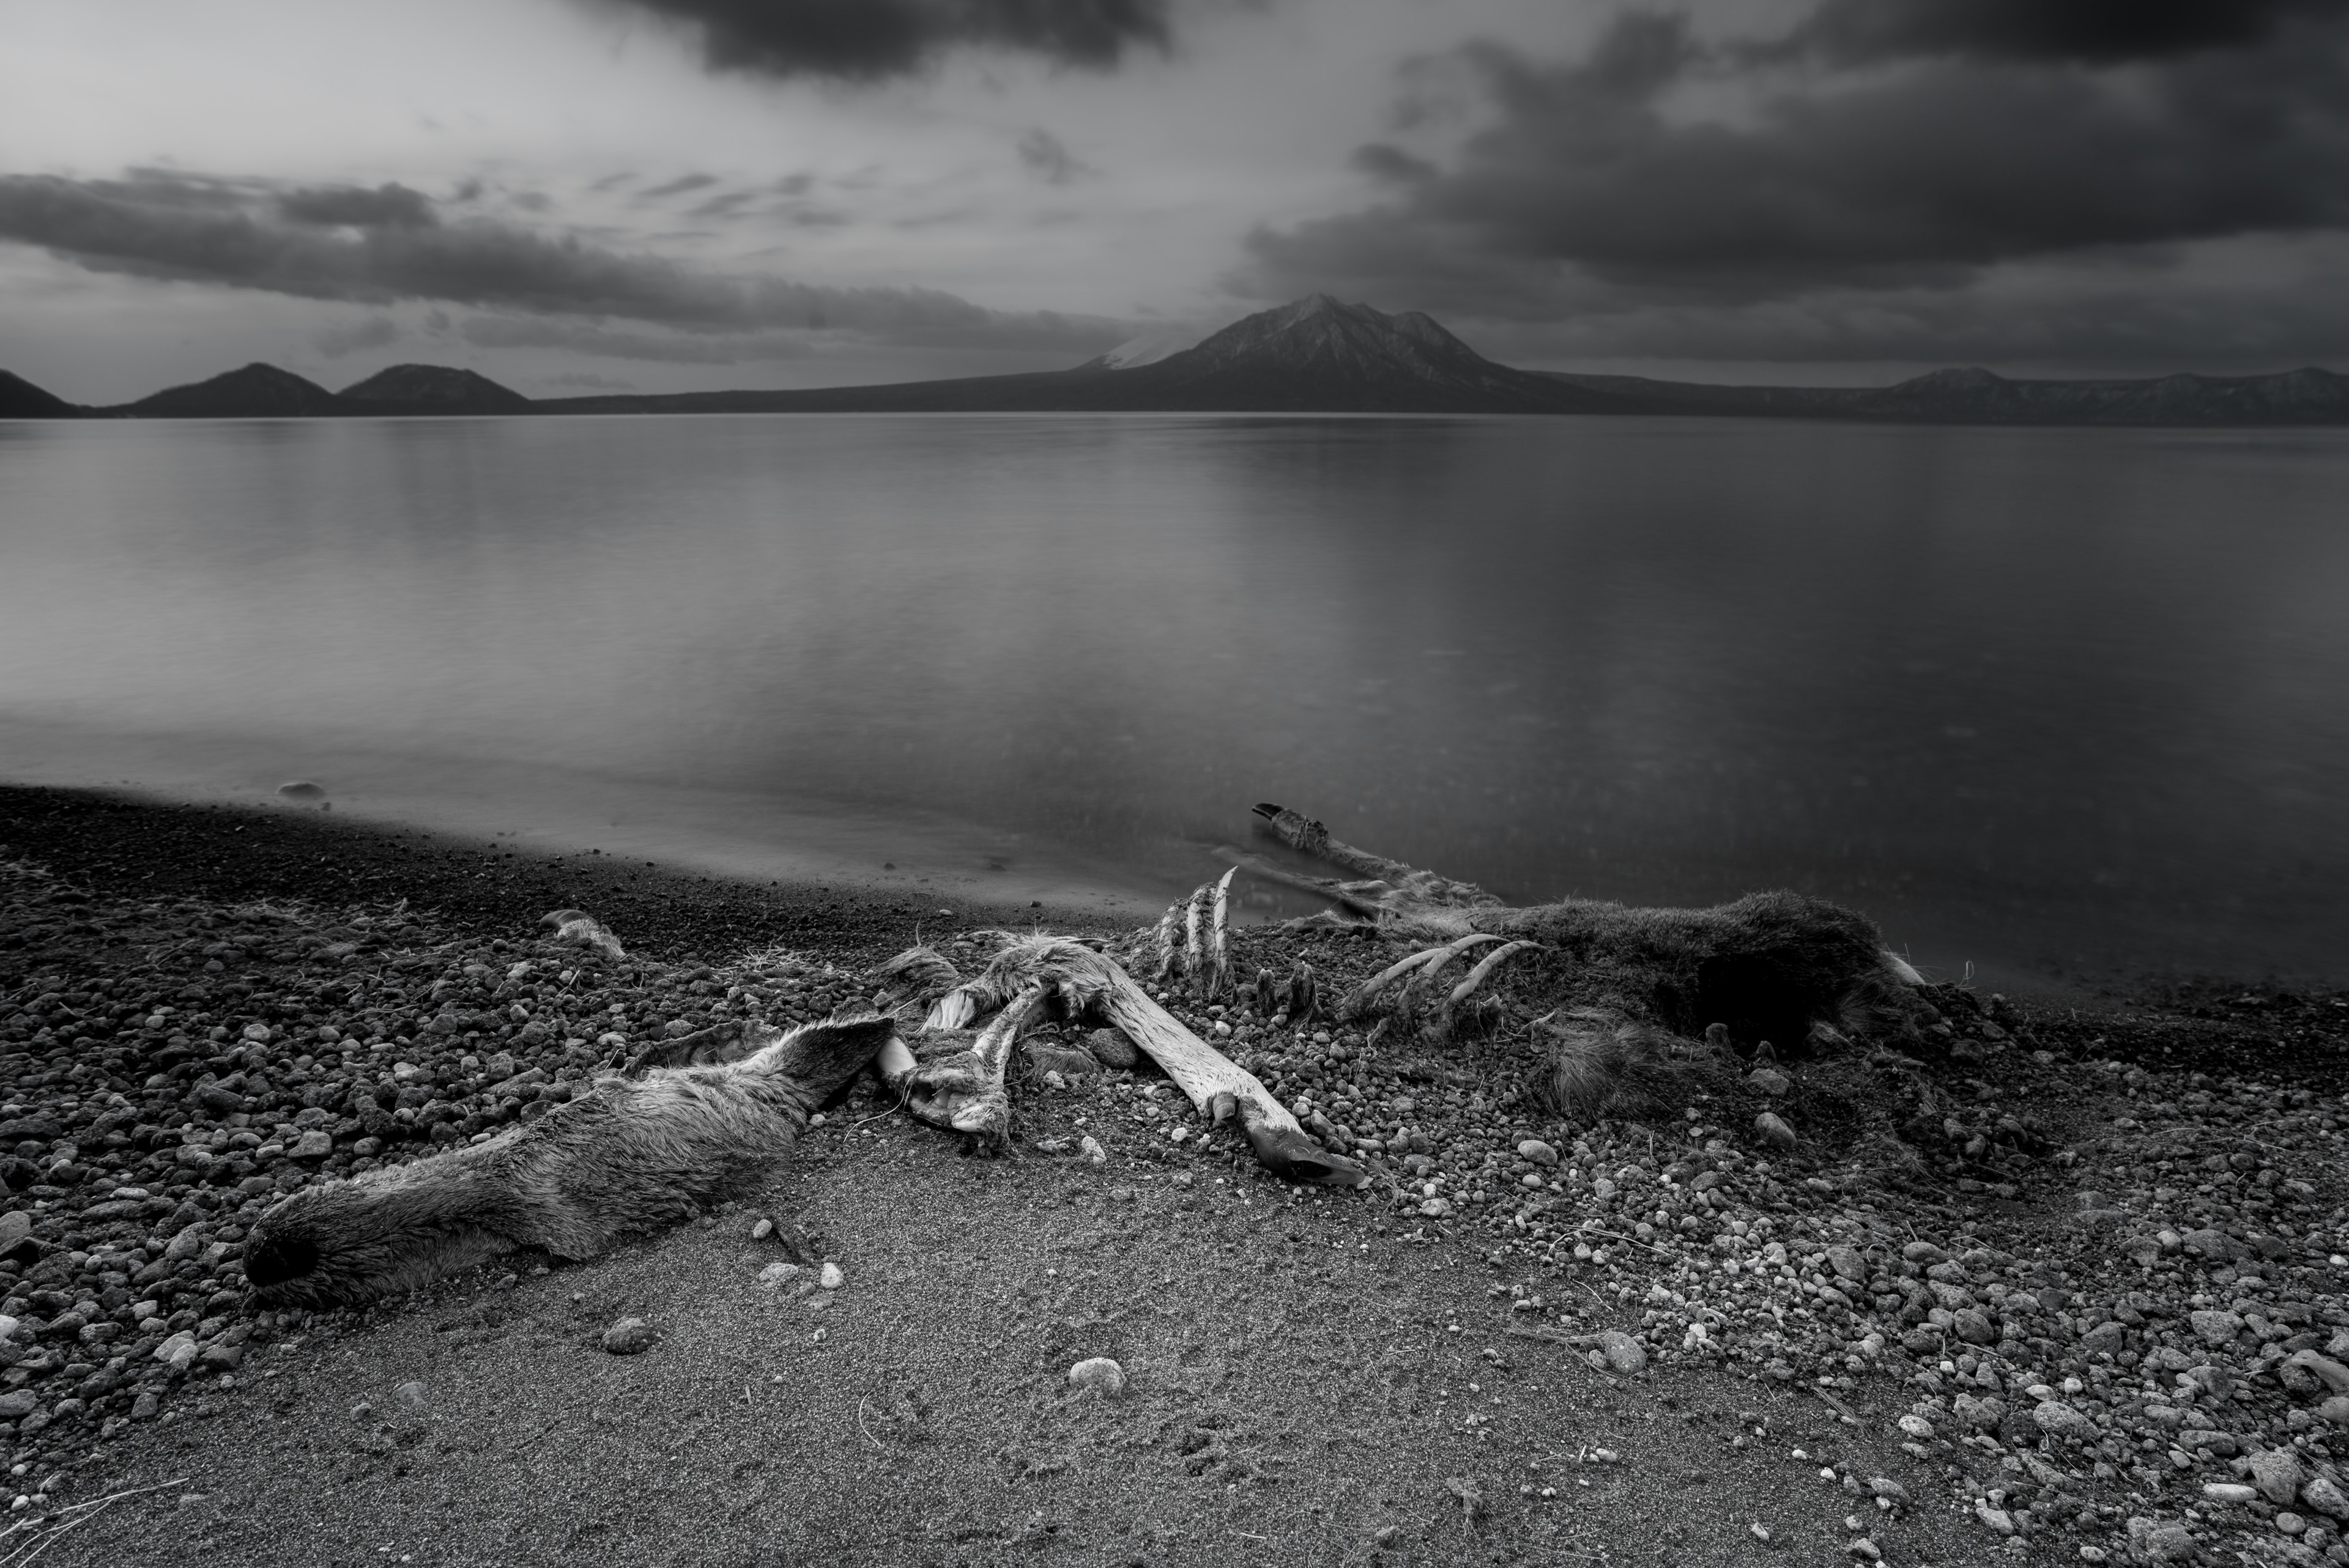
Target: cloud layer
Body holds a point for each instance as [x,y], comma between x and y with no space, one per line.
[867,40]
[390,243]
[1910,151]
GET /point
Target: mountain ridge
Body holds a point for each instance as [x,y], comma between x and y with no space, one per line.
[1313,356]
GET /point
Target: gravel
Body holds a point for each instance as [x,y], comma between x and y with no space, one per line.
[2097,1256]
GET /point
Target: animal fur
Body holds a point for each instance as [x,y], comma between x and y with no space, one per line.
[1602,1065]
[627,1158]
[577,928]
[1771,966]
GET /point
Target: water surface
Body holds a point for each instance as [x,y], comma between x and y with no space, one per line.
[2052,702]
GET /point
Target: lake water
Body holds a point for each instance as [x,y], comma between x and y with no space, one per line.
[2061,703]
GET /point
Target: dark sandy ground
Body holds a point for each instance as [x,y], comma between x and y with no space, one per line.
[1312,1377]
[1295,1391]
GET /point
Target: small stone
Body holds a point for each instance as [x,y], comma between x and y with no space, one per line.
[314,1144]
[2335,1409]
[2218,1329]
[18,1403]
[2212,1243]
[2058,1421]
[1625,1356]
[1111,1048]
[630,1337]
[1775,1131]
[1534,1150]
[1099,1374]
[1918,1428]
[1769,1081]
[2229,1491]
[830,1277]
[763,1230]
[2319,1495]
[777,1275]
[2334,1376]
[1974,1326]
[1092,1149]
[1846,1263]
[1998,1519]
[413,1396]
[1981,1415]
[2291,1523]
[1891,1491]
[2277,1473]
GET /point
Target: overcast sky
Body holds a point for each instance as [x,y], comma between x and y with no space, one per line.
[661,194]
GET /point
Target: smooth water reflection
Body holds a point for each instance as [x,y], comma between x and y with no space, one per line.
[2034,699]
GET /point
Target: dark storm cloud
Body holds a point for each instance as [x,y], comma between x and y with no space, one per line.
[386,206]
[1964,138]
[868,40]
[2104,32]
[333,342]
[239,236]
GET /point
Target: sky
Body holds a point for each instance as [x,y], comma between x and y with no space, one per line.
[581,195]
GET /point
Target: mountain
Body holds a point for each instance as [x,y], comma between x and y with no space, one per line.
[20,399]
[1319,354]
[431,389]
[255,392]
[1314,356]
[1147,349]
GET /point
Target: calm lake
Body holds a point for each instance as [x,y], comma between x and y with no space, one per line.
[2061,703]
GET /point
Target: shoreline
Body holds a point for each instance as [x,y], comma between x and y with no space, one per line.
[236,853]
[1406,1352]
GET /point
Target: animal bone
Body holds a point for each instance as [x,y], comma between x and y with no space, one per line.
[1359,1001]
[627,1157]
[1194,962]
[1169,965]
[1218,951]
[1087,984]
[1304,993]
[1267,994]
[1491,962]
[964,1091]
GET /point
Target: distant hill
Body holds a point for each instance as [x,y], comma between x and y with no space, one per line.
[256,392]
[431,389]
[20,399]
[1314,356]
[1979,396]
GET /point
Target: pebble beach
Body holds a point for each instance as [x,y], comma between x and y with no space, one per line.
[2062,1283]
